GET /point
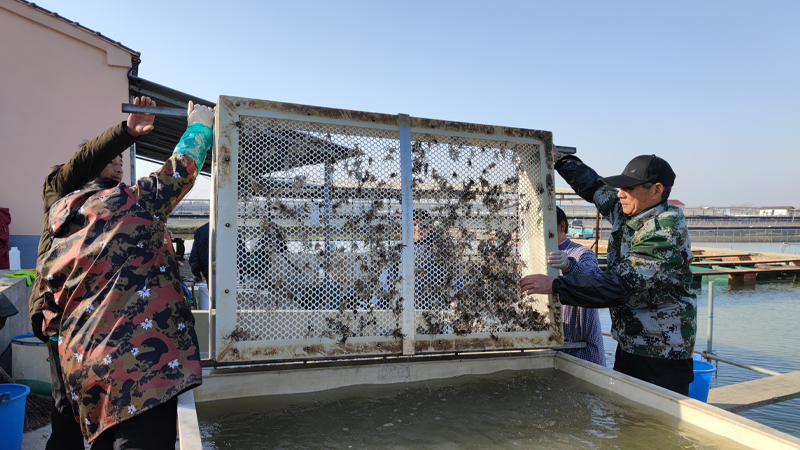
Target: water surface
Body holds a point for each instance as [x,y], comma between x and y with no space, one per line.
[542,409]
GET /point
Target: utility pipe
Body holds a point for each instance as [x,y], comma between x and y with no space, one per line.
[710,334]
[744,366]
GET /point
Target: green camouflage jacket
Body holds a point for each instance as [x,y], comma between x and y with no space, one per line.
[647,278]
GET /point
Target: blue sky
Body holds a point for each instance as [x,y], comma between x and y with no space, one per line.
[713,86]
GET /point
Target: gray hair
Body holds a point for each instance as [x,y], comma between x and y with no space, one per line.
[664,194]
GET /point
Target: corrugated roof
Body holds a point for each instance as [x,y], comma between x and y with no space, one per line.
[157,146]
[78,25]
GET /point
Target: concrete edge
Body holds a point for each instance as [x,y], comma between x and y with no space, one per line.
[222,384]
[188,425]
[219,385]
[705,416]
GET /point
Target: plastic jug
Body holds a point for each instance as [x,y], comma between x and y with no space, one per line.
[13,259]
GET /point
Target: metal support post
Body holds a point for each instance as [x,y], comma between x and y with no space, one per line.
[133,164]
[710,318]
[133,157]
[328,283]
[407,199]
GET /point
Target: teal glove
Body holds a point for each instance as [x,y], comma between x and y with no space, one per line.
[196,140]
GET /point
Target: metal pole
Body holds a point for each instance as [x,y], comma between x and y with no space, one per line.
[328,283]
[710,318]
[133,164]
[407,199]
[133,156]
[744,366]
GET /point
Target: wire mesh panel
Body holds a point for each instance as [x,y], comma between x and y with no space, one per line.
[470,212]
[309,262]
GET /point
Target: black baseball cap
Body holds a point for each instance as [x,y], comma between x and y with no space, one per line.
[643,169]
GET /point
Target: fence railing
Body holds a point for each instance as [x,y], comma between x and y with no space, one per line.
[730,234]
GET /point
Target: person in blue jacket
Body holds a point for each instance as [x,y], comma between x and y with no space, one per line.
[198,258]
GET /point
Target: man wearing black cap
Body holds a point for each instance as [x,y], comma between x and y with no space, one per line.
[646,282]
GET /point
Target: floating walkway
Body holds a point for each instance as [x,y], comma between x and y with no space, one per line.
[744,267]
[754,394]
[735,267]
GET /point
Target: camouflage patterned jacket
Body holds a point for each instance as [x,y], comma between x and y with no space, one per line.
[82,167]
[112,293]
[646,282]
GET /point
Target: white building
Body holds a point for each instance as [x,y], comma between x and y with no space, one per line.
[776,211]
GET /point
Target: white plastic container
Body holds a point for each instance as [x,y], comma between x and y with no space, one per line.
[13,259]
[202,296]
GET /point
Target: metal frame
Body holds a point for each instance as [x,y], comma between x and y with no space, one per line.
[225,347]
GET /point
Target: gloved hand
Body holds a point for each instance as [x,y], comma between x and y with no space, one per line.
[558,260]
[200,114]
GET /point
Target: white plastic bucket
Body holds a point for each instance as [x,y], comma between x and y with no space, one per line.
[29,358]
[202,296]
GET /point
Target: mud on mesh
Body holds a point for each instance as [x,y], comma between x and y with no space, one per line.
[319,233]
[472,213]
[318,224]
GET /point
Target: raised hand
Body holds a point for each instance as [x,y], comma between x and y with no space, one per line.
[141,124]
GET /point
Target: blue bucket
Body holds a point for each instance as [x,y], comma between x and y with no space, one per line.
[12,413]
[703,372]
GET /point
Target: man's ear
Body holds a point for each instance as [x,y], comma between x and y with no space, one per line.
[658,190]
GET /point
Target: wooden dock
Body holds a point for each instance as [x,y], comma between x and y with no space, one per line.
[741,267]
[749,262]
[754,394]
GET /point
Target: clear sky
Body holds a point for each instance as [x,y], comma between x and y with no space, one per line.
[712,86]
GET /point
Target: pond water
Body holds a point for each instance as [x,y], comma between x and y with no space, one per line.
[542,409]
[756,325]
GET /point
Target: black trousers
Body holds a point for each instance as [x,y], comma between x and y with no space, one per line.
[154,429]
[66,432]
[672,374]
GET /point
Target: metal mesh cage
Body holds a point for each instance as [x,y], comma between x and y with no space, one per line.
[470,210]
[319,230]
[323,244]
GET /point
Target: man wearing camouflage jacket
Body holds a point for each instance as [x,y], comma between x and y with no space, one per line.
[646,283]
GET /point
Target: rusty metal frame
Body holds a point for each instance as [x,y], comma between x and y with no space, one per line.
[225,347]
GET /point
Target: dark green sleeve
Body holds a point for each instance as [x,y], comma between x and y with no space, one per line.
[89,161]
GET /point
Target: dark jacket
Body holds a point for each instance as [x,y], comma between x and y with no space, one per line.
[198,259]
[647,278]
[61,180]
